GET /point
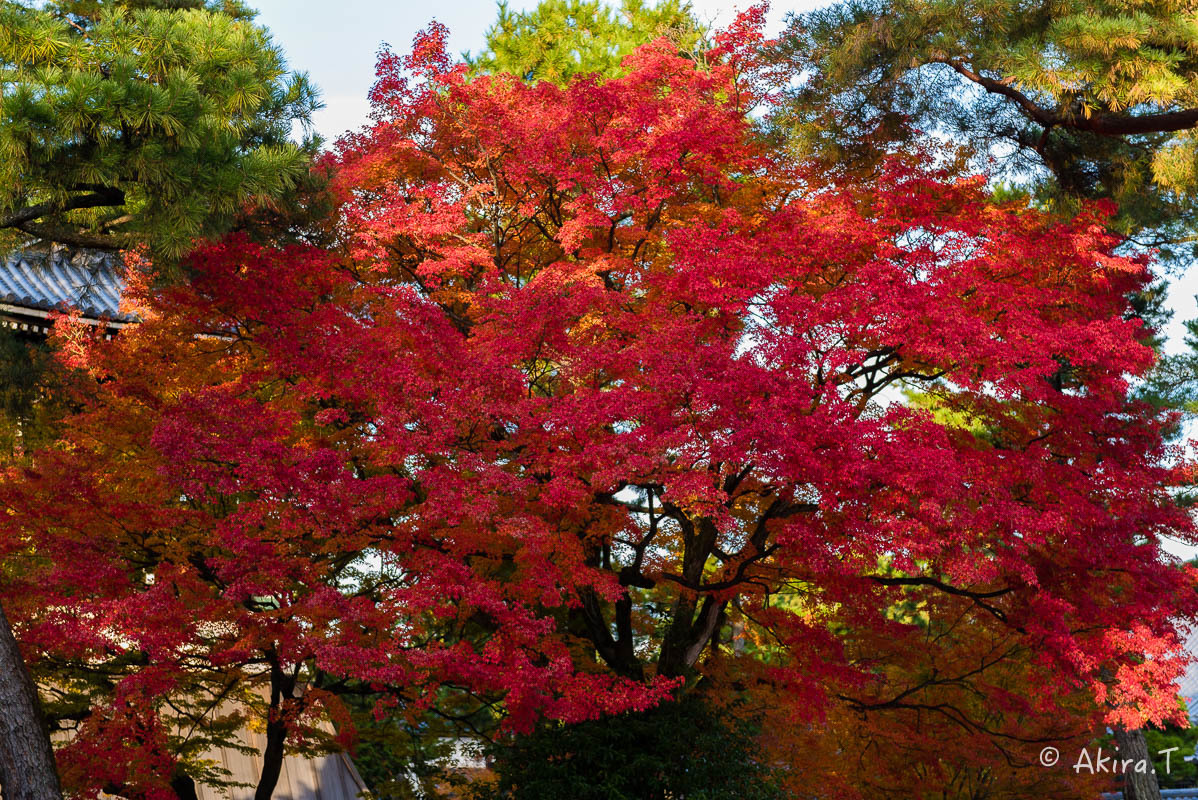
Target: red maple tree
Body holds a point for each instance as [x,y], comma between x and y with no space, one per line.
[601,398]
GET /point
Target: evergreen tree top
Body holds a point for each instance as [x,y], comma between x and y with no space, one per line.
[562,38]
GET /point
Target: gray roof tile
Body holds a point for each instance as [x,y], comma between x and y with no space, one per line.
[45,278]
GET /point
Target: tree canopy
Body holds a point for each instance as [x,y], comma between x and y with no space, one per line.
[595,404]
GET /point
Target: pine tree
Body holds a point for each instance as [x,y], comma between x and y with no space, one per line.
[150,121]
[562,38]
[1089,99]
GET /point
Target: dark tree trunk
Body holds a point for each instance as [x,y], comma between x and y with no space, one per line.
[184,787]
[272,758]
[282,687]
[27,770]
[1137,785]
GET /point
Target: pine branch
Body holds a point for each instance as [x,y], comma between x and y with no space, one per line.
[1103,123]
[69,237]
[102,196]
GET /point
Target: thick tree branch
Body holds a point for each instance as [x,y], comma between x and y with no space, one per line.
[73,238]
[102,196]
[979,598]
[1043,116]
[886,580]
[1103,123]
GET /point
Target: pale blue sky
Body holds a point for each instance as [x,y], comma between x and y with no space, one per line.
[336,42]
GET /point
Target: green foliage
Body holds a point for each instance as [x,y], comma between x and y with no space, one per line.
[562,38]
[683,750]
[394,758]
[943,413]
[147,121]
[1180,773]
[1173,384]
[83,12]
[406,755]
[31,396]
[1070,96]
